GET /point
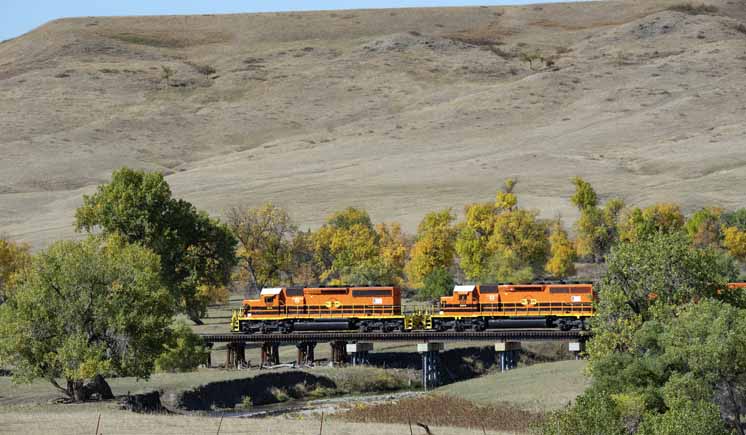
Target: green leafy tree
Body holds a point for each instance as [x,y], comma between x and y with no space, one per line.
[197,253]
[597,227]
[734,241]
[472,238]
[668,351]
[703,227]
[437,283]
[265,237]
[14,257]
[86,309]
[184,351]
[433,248]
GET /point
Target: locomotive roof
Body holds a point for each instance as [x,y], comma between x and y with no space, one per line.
[270,291]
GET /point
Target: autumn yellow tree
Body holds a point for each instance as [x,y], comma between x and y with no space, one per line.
[264,250]
[13,258]
[639,224]
[501,241]
[349,249]
[734,241]
[561,252]
[434,246]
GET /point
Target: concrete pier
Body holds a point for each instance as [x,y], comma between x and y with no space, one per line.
[339,352]
[270,354]
[508,353]
[359,352]
[577,348]
[431,370]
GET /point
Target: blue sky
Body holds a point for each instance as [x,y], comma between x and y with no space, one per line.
[20,16]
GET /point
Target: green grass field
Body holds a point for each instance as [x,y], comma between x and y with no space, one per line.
[539,387]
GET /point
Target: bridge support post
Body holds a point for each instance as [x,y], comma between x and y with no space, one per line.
[270,354]
[359,352]
[430,364]
[305,353]
[236,356]
[339,352]
[508,353]
[576,347]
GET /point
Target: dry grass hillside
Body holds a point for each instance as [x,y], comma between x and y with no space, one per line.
[399,111]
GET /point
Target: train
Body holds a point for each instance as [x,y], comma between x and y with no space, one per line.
[476,307]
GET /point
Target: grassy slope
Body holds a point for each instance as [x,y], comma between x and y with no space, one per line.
[384,109]
[538,387]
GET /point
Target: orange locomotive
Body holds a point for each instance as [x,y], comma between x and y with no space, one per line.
[287,309]
[542,305]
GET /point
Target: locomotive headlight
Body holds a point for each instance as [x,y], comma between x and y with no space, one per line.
[441,312]
[248,314]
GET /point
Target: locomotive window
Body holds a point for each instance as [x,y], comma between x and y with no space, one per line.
[294,291]
[559,290]
[488,289]
[269,299]
[527,289]
[370,293]
[581,290]
[334,291]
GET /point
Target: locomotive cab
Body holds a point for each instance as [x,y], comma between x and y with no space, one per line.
[465,298]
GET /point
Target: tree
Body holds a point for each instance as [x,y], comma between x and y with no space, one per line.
[518,243]
[584,197]
[561,253]
[437,283]
[349,249]
[597,227]
[703,227]
[184,351]
[734,241]
[735,218]
[14,257]
[265,244]
[472,238]
[668,354]
[196,252]
[500,241]
[433,248]
[640,224]
[84,310]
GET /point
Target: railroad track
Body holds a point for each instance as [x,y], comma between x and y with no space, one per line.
[421,336]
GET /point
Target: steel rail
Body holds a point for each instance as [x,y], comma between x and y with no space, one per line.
[498,335]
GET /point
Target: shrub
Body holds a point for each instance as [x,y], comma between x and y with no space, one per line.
[279,394]
[437,283]
[245,403]
[184,351]
[692,9]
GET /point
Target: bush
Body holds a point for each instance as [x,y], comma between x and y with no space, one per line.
[692,9]
[245,403]
[184,351]
[700,418]
[279,394]
[593,413]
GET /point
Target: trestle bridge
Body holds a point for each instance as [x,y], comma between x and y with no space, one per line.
[354,347]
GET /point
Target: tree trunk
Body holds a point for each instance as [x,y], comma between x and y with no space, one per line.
[76,391]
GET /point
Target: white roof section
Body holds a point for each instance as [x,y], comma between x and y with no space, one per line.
[464,288]
[270,291]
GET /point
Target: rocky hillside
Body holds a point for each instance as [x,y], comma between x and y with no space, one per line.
[399,111]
